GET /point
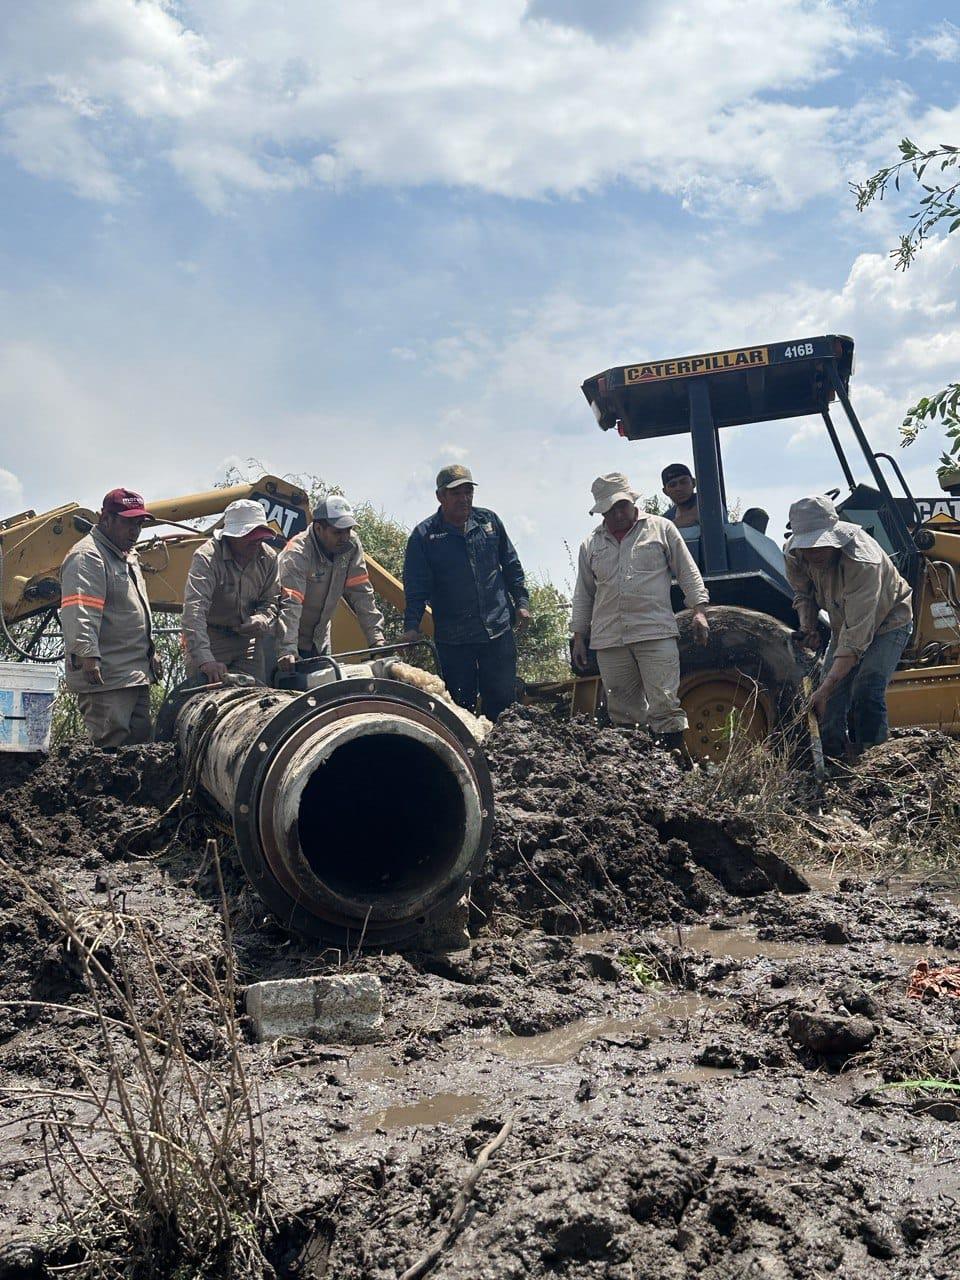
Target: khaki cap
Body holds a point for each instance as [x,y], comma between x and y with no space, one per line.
[454,476]
[609,489]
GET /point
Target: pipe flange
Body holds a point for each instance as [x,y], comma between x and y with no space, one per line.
[318,703]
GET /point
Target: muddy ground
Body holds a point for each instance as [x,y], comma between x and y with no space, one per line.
[702,1069]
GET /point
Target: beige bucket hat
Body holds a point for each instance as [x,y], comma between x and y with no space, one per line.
[814,522]
[609,489]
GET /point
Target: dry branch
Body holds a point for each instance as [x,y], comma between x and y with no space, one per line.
[460,1205]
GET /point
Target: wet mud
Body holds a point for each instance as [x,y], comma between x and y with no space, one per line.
[707,1076]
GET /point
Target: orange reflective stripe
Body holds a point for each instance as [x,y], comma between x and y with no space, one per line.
[296,595]
[92,602]
[358,581]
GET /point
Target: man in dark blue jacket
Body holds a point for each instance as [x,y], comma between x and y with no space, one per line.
[461,562]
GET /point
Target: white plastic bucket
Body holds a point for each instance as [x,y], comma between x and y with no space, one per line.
[27,691]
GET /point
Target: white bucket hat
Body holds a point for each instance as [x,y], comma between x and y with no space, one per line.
[243,517]
[609,489]
[814,523]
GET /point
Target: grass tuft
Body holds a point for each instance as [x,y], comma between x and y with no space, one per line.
[155,1155]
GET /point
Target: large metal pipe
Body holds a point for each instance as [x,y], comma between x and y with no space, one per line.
[361,808]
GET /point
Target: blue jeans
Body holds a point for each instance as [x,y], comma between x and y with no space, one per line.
[860,699]
[490,669]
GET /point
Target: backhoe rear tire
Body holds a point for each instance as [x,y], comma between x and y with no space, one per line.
[745,683]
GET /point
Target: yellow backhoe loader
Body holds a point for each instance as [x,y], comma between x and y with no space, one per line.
[751,667]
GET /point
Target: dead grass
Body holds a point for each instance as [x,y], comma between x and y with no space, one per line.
[907,792]
[155,1156]
[896,809]
[916,1063]
[765,782]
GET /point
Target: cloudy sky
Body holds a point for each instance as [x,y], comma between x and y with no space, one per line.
[361,239]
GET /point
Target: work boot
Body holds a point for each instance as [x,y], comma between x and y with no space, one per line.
[673,742]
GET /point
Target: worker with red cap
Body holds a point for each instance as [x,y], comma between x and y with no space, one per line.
[108,644]
[231,600]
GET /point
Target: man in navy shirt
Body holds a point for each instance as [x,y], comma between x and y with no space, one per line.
[461,562]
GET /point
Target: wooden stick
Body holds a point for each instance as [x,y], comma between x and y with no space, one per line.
[460,1205]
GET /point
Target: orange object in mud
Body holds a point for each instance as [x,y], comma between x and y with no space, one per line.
[926,983]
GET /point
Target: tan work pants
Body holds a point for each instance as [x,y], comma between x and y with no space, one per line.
[117,717]
[641,681]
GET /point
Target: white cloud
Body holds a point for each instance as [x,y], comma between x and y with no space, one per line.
[943,43]
[47,140]
[11,493]
[936,350]
[213,170]
[497,96]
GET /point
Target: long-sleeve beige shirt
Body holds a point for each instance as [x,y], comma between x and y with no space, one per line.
[105,614]
[623,588]
[863,594]
[221,595]
[311,586]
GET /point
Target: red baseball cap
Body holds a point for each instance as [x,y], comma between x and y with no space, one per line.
[124,502]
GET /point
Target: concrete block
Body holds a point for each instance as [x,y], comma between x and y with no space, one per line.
[340,1009]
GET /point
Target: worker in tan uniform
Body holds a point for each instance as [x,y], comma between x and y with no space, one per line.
[317,568]
[108,647]
[231,600]
[622,609]
[835,565]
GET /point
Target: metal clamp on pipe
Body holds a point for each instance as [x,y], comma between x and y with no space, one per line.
[360,809]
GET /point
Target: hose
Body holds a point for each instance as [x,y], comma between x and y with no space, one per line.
[24,653]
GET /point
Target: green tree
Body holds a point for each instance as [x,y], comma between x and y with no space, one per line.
[939,204]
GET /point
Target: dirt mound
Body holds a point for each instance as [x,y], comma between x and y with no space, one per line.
[597,827]
[906,791]
[80,802]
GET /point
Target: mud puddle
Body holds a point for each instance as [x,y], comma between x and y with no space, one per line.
[377,1068]
[738,944]
[551,1048]
[442,1108]
[744,944]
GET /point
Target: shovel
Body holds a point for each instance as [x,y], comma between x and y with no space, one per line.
[813,728]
